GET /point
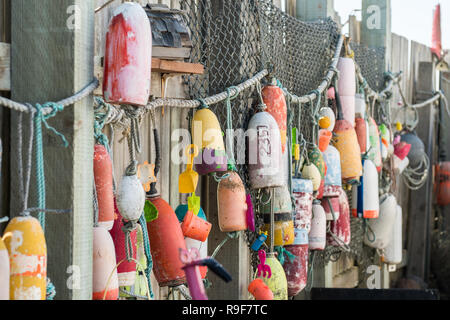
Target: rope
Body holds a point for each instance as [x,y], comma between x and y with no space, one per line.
[282,252]
[148,253]
[229,136]
[51,290]
[230,235]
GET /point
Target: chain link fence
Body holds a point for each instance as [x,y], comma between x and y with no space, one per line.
[236,39]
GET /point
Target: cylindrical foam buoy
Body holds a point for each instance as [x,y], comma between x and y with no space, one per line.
[381,227]
[317,235]
[340,231]
[103,266]
[443,183]
[297,270]
[166,238]
[4,271]
[333,179]
[104,186]
[394,251]
[302,190]
[365,200]
[207,136]
[375,144]
[28,259]
[260,290]
[232,203]
[361,127]
[348,108]
[347,77]
[360,106]
[346,143]
[127,73]
[126,271]
[264,152]
[273,98]
[195,227]
[277,283]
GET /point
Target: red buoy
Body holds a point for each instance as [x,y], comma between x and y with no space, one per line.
[436,41]
[104,186]
[273,98]
[128,56]
[443,183]
[341,227]
[166,240]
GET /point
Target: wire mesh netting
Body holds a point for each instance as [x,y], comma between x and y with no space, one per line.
[236,39]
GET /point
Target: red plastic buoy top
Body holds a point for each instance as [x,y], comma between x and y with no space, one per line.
[166,238]
[128,56]
[273,98]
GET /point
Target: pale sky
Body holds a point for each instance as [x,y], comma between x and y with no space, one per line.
[412,19]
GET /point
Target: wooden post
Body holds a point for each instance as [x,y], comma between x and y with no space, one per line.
[52,58]
[308,10]
[376,26]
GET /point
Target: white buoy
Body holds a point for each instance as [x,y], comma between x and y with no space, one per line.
[394,250]
[380,232]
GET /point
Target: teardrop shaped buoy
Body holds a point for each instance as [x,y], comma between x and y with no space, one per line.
[302,190]
[311,172]
[232,203]
[296,270]
[126,271]
[4,271]
[273,98]
[346,142]
[264,152]
[207,137]
[381,227]
[277,283]
[340,231]
[28,259]
[317,235]
[104,186]
[104,274]
[166,240]
[333,178]
[394,251]
[128,53]
[130,198]
[326,112]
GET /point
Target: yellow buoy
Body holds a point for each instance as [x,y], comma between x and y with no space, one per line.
[28,259]
[277,283]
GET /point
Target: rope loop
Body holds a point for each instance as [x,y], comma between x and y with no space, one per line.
[203,104]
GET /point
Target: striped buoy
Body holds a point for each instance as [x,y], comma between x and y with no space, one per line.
[27,250]
[375,144]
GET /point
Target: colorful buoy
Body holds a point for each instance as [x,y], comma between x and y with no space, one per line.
[393,253]
[277,283]
[104,186]
[381,227]
[273,98]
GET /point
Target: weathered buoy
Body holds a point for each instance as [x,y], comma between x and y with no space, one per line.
[166,238]
[340,231]
[365,200]
[348,108]
[394,251]
[360,106]
[195,227]
[104,186]
[381,227]
[331,207]
[400,165]
[103,267]
[346,142]
[297,270]
[311,172]
[333,178]
[232,203]
[260,290]
[375,151]
[277,283]
[127,73]
[302,190]
[207,137]
[324,139]
[273,98]
[317,234]
[328,113]
[347,77]
[264,152]
[443,183]
[130,198]
[4,271]
[415,155]
[28,259]
[126,271]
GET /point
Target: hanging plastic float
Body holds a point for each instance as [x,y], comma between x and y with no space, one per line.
[333,182]
[394,251]
[4,268]
[347,88]
[375,147]
[317,234]
[340,231]
[25,241]
[127,73]
[264,152]
[273,98]
[276,279]
[442,184]
[104,186]
[260,290]
[365,199]
[207,137]
[327,119]
[381,227]
[105,283]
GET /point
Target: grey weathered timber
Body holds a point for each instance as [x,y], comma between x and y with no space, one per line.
[308,10]
[52,47]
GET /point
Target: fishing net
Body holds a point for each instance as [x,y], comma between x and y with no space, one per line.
[236,39]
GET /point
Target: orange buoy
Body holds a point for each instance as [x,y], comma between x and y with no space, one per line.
[232,203]
[103,267]
[443,183]
[28,259]
[195,227]
[104,186]
[260,290]
[126,271]
[166,240]
[128,53]
[361,128]
[349,150]
[273,98]
[4,271]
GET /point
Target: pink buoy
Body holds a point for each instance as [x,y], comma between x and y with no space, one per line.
[128,56]
[347,77]
[348,108]
[317,235]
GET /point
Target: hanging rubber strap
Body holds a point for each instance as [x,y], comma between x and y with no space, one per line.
[282,252]
[148,253]
[40,118]
[127,228]
[229,135]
